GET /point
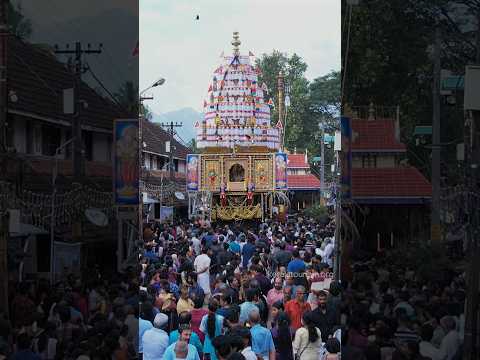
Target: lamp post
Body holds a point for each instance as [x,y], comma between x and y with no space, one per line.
[322,159]
[141,98]
[52,210]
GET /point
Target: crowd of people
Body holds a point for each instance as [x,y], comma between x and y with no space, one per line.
[397,308]
[239,291]
[243,291]
[92,317]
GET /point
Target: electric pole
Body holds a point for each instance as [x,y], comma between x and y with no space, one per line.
[171,130]
[3,73]
[322,162]
[435,235]
[78,69]
[472,160]
[4,235]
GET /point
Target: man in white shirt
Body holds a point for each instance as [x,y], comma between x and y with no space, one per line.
[202,268]
[196,244]
[155,340]
[451,342]
[427,349]
[327,253]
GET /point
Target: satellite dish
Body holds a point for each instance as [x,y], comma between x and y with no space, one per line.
[96,217]
[179,195]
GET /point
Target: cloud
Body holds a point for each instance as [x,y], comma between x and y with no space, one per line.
[185,51]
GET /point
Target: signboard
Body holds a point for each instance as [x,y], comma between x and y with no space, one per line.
[281,171]
[346,158]
[166,213]
[472,88]
[67,258]
[126,162]
[193,163]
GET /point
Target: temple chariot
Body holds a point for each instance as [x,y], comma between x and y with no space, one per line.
[239,171]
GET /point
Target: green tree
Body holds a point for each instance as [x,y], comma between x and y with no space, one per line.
[310,103]
[146,112]
[19,25]
[389,63]
[325,99]
[127,97]
[297,120]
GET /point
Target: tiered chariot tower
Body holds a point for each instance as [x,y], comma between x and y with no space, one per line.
[239,172]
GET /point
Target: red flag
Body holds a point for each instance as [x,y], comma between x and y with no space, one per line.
[197,124]
[279,125]
[210,88]
[135,50]
[270,102]
[204,103]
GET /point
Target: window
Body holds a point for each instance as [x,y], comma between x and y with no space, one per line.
[147,161]
[161,163]
[88,144]
[369,161]
[51,138]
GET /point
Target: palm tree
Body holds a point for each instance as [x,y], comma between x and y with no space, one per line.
[19,25]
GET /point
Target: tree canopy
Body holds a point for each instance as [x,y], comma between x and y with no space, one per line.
[311,103]
[389,62]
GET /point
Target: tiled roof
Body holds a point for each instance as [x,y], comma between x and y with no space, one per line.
[38,79]
[304,182]
[155,138]
[375,135]
[297,161]
[390,182]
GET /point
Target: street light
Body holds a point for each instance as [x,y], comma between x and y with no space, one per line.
[52,210]
[159,82]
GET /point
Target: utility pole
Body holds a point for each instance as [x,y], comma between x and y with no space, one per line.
[3,73]
[281,100]
[78,151]
[171,130]
[472,160]
[4,234]
[322,161]
[435,235]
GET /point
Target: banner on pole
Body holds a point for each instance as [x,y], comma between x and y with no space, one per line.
[192,172]
[126,162]
[346,159]
[281,171]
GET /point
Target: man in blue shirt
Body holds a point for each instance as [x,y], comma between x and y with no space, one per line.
[143,325]
[296,265]
[248,306]
[262,341]
[155,340]
[248,250]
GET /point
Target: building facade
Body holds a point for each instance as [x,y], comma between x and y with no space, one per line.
[391,198]
[303,186]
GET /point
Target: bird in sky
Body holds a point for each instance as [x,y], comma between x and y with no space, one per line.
[197,17]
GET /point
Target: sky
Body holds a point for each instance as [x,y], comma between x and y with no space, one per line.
[185,52]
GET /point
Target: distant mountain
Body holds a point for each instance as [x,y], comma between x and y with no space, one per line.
[187,116]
